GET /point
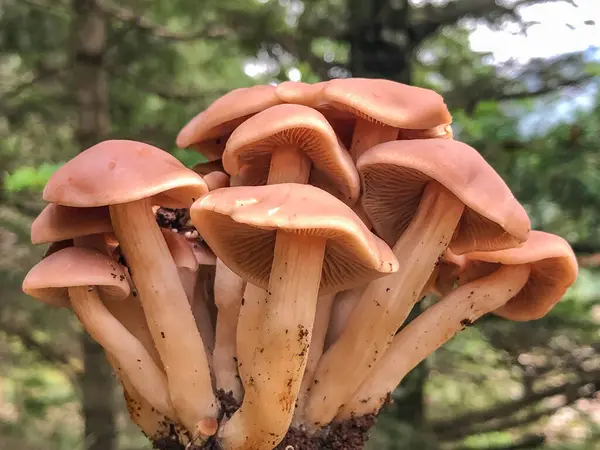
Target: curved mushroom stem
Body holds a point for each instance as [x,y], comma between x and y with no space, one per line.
[152,423]
[317,344]
[282,345]
[368,134]
[229,291]
[343,305]
[167,311]
[384,306]
[128,352]
[430,330]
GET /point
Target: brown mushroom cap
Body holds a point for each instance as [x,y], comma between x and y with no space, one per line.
[395,173]
[388,102]
[553,270]
[252,144]
[240,225]
[121,171]
[49,280]
[209,129]
[58,223]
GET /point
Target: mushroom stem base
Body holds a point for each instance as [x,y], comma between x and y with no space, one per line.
[282,341]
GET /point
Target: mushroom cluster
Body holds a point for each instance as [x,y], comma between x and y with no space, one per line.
[254,302]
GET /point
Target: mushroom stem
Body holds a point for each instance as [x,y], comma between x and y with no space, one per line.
[317,345]
[229,291]
[128,352]
[252,308]
[152,423]
[195,294]
[167,311]
[430,330]
[384,305]
[283,339]
[343,305]
[289,165]
[368,134]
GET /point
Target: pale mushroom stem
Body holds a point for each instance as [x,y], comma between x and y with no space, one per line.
[282,345]
[152,423]
[384,305]
[343,305]
[128,352]
[289,165]
[431,330]
[229,292]
[368,134]
[200,311]
[317,345]
[167,311]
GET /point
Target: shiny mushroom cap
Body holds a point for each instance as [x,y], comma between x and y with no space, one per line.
[299,93]
[209,130]
[49,280]
[58,223]
[240,225]
[387,102]
[252,144]
[120,171]
[553,270]
[395,173]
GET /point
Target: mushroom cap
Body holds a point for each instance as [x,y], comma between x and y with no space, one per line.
[553,270]
[240,224]
[395,173]
[58,223]
[388,102]
[225,114]
[120,171]
[49,280]
[180,249]
[252,144]
[299,93]
[204,168]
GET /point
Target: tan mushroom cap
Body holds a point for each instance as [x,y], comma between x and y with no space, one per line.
[395,173]
[240,225]
[181,250]
[209,129]
[299,93]
[252,144]
[553,270]
[49,280]
[388,102]
[120,171]
[58,223]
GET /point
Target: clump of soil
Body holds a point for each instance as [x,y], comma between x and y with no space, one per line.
[229,404]
[174,218]
[351,434]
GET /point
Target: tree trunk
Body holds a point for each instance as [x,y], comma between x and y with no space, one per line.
[91,85]
[377,54]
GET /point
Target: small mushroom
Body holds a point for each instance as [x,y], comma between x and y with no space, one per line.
[84,276]
[296,242]
[130,177]
[208,131]
[421,196]
[521,283]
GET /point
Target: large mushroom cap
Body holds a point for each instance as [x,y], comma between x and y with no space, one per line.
[553,270]
[49,280]
[240,225]
[300,93]
[213,125]
[395,173]
[388,102]
[58,223]
[252,144]
[120,171]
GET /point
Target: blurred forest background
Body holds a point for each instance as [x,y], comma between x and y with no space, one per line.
[74,72]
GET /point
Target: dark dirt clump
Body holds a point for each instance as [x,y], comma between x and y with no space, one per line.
[229,404]
[348,435]
[174,218]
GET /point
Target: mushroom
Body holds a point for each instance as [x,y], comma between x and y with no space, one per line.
[208,131]
[296,242]
[524,283]
[82,277]
[204,168]
[421,196]
[216,180]
[343,305]
[384,109]
[229,292]
[292,144]
[129,177]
